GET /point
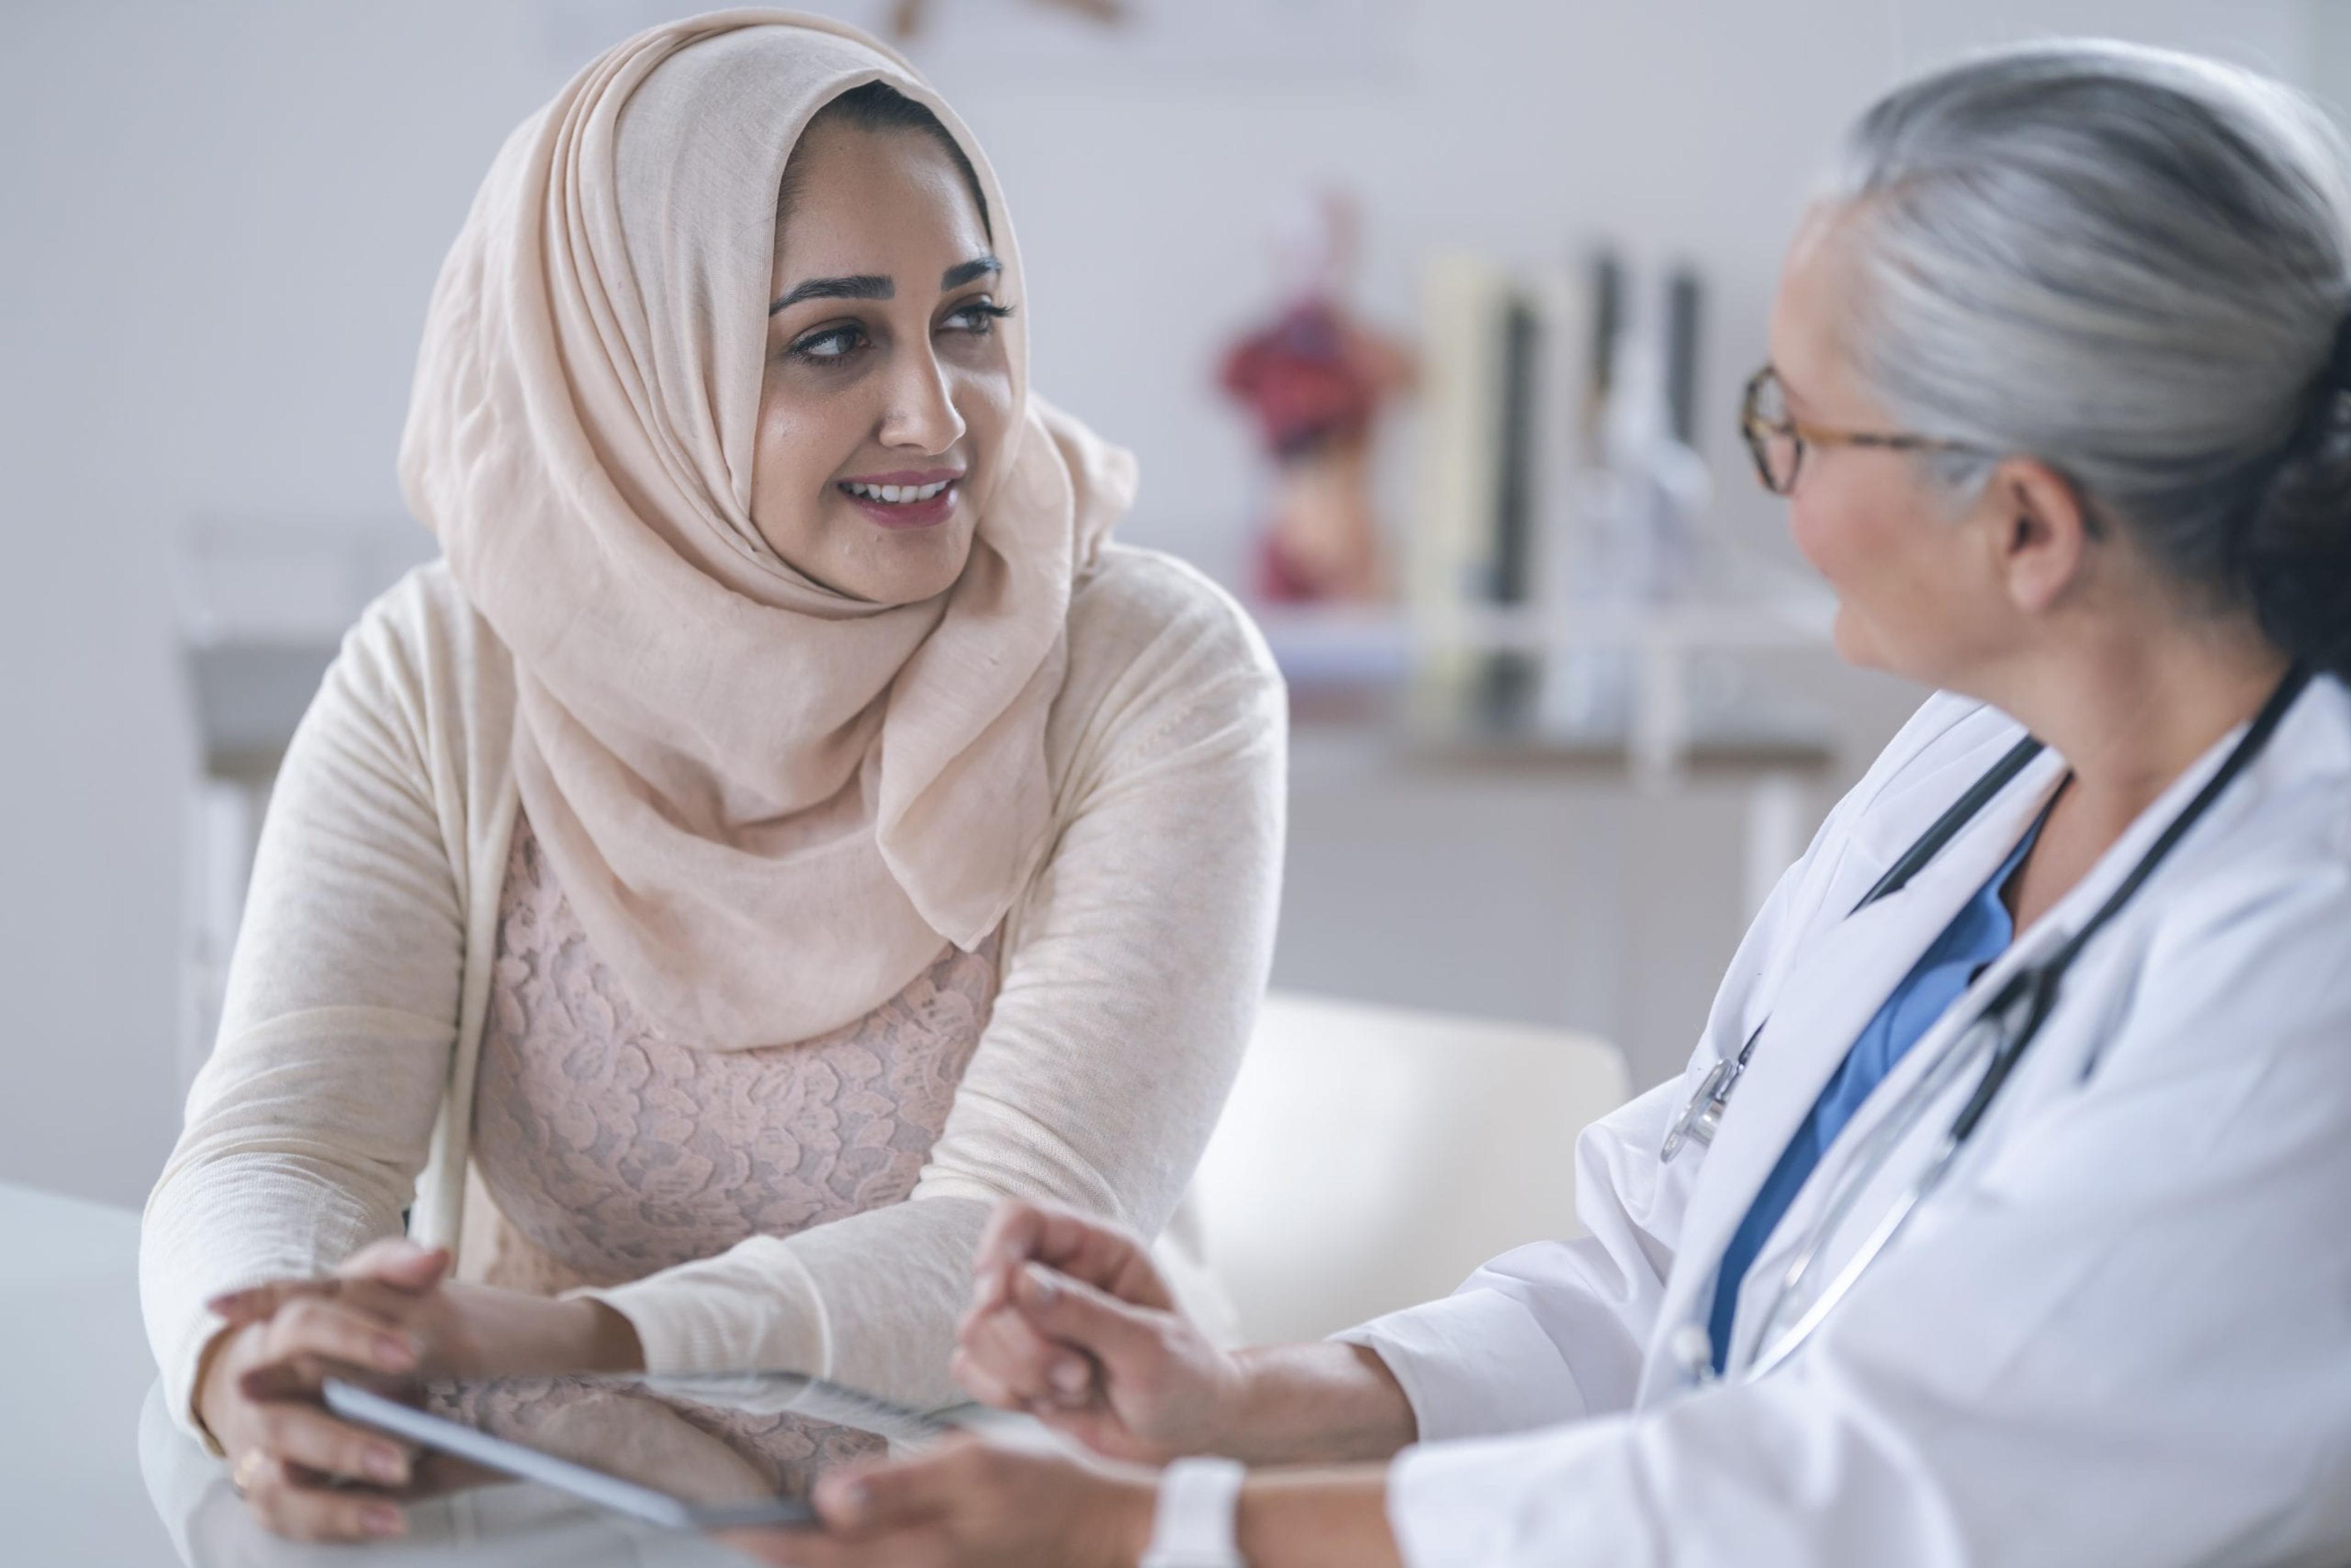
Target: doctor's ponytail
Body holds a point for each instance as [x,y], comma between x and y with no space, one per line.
[2135,265]
[2294,549]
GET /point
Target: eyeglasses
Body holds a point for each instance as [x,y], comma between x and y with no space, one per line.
[1777,440]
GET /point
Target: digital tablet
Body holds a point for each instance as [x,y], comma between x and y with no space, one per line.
[716,1452]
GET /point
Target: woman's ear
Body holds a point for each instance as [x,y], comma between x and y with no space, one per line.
[2038,532]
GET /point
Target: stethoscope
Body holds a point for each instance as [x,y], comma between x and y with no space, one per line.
[2002,1029]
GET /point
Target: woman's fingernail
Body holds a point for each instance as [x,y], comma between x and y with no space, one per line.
[851,1501]
[394,1352]
[1041,1284]
[1069,1377]
[382,1519]
[385,1465]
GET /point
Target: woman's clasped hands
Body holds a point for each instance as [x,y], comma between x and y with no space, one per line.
[388,1317]
[305,1473]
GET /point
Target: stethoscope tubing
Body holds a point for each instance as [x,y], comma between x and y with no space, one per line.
[1699,1118]
[2028,998]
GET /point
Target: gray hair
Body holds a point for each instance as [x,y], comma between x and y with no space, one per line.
[2134,265]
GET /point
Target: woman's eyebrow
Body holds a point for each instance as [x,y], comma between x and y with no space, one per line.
[864,285]
[963,272]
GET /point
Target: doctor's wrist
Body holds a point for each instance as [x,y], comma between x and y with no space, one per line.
[1314,1403]
[1123,1520]
[1317,1519]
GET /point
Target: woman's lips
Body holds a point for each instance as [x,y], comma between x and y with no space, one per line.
[906,513]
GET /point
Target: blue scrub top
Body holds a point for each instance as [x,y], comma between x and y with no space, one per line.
[1980,933]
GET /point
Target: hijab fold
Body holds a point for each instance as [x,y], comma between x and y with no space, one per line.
[771,805]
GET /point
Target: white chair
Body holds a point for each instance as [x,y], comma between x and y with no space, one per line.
[1370,1158]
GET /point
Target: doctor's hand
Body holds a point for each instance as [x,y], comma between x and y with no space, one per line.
[1071,1322]
[970,1503]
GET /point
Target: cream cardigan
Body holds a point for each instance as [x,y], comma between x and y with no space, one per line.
[339,1092]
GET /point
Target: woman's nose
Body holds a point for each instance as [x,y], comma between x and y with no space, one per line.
[921,413]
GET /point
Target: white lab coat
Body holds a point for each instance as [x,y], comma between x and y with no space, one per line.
[2120,1333]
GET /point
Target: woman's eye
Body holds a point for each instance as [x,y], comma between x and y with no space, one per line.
[979,318]
[830,345]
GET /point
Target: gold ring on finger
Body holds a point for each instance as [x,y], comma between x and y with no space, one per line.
[251,1468]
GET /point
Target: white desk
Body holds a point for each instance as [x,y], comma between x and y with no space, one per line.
[73,1375]
[94,1475]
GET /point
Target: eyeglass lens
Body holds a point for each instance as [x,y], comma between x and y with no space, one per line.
[1777,448]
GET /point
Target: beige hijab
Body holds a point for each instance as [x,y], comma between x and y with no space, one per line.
[771,806]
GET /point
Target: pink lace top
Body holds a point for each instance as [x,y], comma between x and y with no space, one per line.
[611,1153]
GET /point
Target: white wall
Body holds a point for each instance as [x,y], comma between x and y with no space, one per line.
[222,220]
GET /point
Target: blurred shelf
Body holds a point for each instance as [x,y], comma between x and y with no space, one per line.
[1365,643]
[1763,604]
[1775,738]
[1655,689]
[249,693]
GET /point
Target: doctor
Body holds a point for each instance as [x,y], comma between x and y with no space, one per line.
[2004,1217]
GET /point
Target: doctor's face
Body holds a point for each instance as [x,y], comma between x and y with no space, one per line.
[1916,592]
[885,416]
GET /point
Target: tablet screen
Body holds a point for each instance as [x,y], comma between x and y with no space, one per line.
[694,1451]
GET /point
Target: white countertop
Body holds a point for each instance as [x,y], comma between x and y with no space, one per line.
[75,1373]
[92,1472]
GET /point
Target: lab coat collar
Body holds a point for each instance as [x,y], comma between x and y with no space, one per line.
[1834,985]
[1849,970]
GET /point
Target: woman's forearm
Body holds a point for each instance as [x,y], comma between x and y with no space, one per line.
[1318,1404]
[1317,1518]
[494,1332]
[597,1338]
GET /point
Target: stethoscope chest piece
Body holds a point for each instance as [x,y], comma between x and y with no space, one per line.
[1701,1118]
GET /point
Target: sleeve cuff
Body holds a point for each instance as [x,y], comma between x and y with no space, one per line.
[1473,1364]
[1561,1499]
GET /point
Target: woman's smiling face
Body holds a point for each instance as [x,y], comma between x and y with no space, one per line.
[887,414]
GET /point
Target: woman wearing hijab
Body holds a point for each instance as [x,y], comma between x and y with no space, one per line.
[780,827]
